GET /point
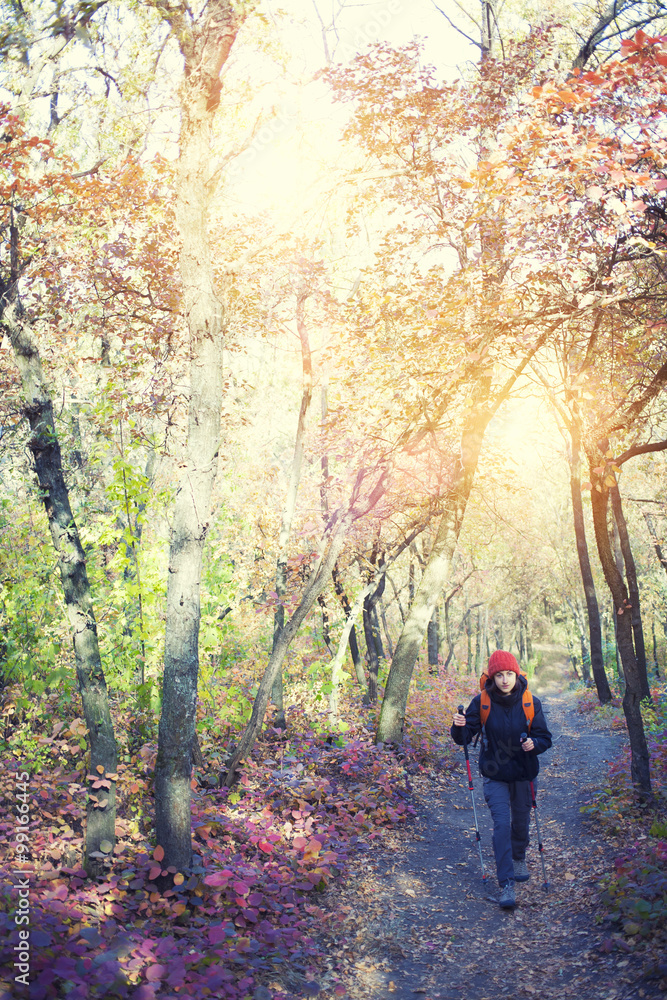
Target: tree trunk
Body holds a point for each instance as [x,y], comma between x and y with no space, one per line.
[316,585]
[623,619]
[383,616]
[433,640]
[479,638]
[592,608]
[45,448]
[585,655]
[617,662]
[337,662]
[579,619]
[372,662]
[326,627]
[205,49]
[448,629]
[370,636]
[633,587]
[377,634]
[354,646]
[662,559]
[570,649]
[290,499]
[522,638]
[436,572]
[398,603]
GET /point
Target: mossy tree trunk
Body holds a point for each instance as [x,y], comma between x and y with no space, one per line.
[45,449]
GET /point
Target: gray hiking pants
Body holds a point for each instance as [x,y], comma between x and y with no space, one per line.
[510,804]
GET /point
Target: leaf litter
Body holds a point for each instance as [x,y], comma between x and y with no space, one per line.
[338,871]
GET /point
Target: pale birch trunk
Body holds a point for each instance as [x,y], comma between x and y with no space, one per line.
[205,46]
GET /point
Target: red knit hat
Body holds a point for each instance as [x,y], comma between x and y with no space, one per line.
[500,660]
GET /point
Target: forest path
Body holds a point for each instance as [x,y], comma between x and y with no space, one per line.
[416,920]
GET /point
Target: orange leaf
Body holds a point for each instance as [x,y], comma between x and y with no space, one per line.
[158,853]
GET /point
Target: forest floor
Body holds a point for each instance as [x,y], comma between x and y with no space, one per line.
[337,868]
[417,921]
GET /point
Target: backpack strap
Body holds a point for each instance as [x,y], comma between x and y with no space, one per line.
[484,706]
[528,707]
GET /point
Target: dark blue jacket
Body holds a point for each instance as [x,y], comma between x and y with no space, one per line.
[501,756]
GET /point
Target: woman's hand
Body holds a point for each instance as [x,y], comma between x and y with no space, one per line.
[528,745]
[459,720]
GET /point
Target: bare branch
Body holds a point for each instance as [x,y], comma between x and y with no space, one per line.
[91,170]
[456,27]
[640,449]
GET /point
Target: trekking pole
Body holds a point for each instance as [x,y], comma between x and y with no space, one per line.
[472,796]
[522,739]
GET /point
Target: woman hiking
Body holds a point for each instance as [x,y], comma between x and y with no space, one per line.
[504,712]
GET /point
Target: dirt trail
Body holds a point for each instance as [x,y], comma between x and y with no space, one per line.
[420,923]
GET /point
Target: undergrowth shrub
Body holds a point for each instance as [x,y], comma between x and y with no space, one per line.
[434,698]
[635,895]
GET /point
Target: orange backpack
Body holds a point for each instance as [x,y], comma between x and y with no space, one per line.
[485,701]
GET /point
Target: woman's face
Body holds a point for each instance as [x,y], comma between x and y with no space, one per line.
[505,681]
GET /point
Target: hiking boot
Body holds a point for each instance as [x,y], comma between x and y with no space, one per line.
[521,873]
[507,896]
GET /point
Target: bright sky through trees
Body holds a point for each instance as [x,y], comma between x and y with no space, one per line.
[295,154]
